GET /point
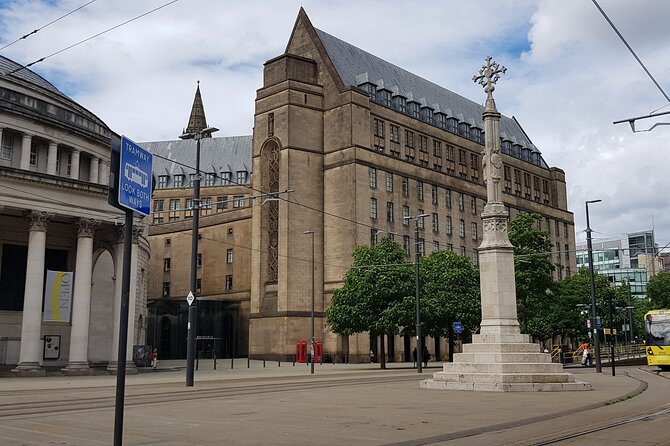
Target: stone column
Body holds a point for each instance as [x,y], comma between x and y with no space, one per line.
[93,170]
[81,306]
[31,346]
[25,151]
[103,173]
[51,158]
[118,279]
[74,169]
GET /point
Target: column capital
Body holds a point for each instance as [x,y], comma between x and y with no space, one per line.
[86,227]
[37,220]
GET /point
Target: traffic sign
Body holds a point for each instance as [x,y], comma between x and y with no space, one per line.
[135,177]
[190,298]
[458,327]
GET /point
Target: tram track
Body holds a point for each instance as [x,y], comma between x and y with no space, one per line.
[27,409]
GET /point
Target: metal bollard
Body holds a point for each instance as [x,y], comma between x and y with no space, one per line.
[248,360]
[232,362]
[278,363]
[215,361]
[264,363]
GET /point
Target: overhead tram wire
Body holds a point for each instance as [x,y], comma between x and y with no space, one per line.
[630,49]
[90,38]
[35,31]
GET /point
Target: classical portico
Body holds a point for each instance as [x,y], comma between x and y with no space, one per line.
[499,358]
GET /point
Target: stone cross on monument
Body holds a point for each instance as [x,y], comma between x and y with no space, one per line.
[499,358]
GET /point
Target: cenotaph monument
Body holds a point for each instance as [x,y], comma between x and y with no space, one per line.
[499,358]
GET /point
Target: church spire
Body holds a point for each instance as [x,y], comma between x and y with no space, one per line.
[197,121]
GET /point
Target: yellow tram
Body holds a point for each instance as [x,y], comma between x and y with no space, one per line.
[657,338]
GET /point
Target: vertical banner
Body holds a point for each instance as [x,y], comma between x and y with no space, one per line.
[58,296]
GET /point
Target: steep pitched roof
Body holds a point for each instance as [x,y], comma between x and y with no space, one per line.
[354,64]
[226,154]
[197,120]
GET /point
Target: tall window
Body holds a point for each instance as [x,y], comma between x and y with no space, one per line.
[420,222]
[395,133]
[68,168]
[373,177]
[433,193]
[405,187]
[188,208]
[241,177]
[461,199]
[158,205]
[271,124]
[474,231]
[461,228]
[229,255]
[226,177]
[473,205]
[419,190]
[191,179]
[423,143]
[449,228]
[437,148]
[229,282]
[178,180]
[389,212]
[421,247]
[447,198]
[436,222]
[436,245]
[34,150]
[389,182]
[210,179]
[379,128]
[405,244]
[166,264]
[7,146]
[409,139]
[162,182]
[405,215]
[166,289]
[565,230]
[373,208]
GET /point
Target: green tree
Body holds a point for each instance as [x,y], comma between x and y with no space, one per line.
[658,291]
[376,282]
[449,292]
[533,274]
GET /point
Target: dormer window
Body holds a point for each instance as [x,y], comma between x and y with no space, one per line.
[516,150]
[535,158]
[507,147]
[440,120]
[162,182]
[178,180]
[399,103]
[210,179]
[452,125]
[225,178]
[371,89]
[525,154]
[413,109]
[384,98]
[241,177]
[427,114]
[476,135]
[464,129]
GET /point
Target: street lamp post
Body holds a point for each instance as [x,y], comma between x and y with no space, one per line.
[611,314]
[311,348]
[419,343]
[630,313]
[192,308]
[594,327]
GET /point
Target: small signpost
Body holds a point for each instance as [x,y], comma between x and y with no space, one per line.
[133,183]
[458,328]
[190,298]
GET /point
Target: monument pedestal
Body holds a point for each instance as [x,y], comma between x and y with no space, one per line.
[508,363]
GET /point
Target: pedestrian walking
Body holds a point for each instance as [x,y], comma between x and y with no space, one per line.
[414,356]
[426,356]
[154,358]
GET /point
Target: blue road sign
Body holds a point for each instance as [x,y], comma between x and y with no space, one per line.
[458,328]
[135,177]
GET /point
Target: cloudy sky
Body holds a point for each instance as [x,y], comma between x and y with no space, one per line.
[569,76]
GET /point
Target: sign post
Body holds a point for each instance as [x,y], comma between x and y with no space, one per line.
[134,195]
[458,328]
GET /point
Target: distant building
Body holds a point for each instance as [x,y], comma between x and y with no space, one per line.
[632,259]
[361,144]
[60,246]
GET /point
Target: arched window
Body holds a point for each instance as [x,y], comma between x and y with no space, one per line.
[271,155]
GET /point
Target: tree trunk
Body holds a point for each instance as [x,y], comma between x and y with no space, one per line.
[382,352]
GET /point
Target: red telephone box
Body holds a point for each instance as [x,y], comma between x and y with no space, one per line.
[301,351]
[318,351]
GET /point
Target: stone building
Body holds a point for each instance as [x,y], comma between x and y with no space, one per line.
[360,144]
[54,216]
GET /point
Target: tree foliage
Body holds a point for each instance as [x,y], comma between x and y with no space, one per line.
[533,274]
[658,291]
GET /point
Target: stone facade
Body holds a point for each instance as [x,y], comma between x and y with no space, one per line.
[54,215]
[355,163]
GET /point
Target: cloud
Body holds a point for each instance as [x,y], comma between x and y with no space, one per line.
[569,76]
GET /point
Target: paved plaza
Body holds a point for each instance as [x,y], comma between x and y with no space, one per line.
[339,404]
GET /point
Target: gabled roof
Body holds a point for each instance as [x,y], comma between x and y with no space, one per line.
[226,154]
[353,65]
